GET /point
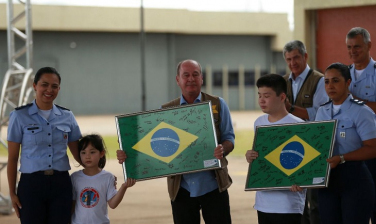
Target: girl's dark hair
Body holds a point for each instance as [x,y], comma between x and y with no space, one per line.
[343,69]
[97,142]
[46,70]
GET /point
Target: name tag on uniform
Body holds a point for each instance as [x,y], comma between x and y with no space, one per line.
[306,96]
[342,134]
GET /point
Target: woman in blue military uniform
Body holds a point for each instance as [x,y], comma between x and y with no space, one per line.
[350,195]
[42,131]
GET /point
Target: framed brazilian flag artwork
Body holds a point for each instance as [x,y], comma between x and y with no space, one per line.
[291,154]
[167,142]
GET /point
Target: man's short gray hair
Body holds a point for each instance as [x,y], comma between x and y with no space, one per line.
[295,44]
[359,30]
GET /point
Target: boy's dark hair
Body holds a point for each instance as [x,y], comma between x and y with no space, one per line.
[343,69]
[97,142]
[45,70]
[274,81]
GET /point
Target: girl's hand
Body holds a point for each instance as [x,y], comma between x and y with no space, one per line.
[121,156]
[130,182]
[251,155]
[334,161]
[295,188]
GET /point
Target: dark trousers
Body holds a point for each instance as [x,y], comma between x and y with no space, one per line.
[311,209]
[371,164]
[45,199]
[215,208]
[350,196]
[278,218]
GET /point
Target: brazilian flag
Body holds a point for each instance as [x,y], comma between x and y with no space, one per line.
[165,142]
[169,141]
[291,154]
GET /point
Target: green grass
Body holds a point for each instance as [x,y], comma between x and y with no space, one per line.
[243,142]
[3,151]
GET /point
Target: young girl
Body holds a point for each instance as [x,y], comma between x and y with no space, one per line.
[93,187]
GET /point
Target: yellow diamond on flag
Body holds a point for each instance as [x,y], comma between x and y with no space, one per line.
[292,155]
[165,142]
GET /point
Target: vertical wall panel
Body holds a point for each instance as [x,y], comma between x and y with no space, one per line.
[332,27]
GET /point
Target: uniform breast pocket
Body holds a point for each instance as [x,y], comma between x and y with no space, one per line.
[368,92]
[32,135]
[345,128]
[60,134]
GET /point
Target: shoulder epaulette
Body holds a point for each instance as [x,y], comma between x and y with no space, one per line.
[61,107]
[326,103]
[358,102]
[23,106]
[350,66]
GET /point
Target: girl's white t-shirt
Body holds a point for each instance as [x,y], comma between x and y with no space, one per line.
[91,194]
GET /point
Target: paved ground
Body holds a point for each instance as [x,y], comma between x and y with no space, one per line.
[148,201]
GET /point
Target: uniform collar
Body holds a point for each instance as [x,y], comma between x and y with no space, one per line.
[183,101]
[370,69]
[344,106]
[34,109]
[303,75]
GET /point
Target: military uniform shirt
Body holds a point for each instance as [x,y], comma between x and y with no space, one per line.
[43,142]
[365,86]
[355,124]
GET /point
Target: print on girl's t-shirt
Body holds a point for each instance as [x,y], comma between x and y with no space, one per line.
[89,197]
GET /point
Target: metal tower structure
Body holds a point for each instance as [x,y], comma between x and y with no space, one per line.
[17,82]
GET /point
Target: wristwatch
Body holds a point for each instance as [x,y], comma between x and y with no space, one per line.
[292,108]
[342,159]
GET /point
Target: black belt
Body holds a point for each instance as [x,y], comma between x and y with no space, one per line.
[49,172]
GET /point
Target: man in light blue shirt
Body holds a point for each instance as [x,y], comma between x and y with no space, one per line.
[305,86]
[363,75]
[305,94]
[205,190]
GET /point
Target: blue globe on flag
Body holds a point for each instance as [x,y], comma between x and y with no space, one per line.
[292,155]
[165,142]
